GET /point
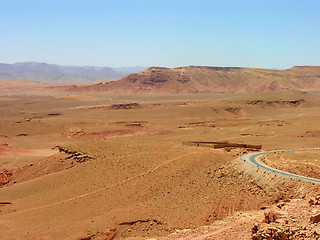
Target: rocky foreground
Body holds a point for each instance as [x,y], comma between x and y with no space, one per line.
[291,219]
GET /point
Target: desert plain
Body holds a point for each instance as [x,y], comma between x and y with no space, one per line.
[115,166]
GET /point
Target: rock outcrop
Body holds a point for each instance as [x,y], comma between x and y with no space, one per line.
[297,219]
[5,177]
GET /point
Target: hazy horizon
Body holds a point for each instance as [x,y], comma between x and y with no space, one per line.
[73,65]
[145,67]
[123,33]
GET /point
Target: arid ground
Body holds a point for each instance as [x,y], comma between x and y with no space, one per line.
[115,167]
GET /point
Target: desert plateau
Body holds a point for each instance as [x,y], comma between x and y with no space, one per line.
[160,120]
[101,165]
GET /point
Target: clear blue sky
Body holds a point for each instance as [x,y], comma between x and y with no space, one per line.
[170,33]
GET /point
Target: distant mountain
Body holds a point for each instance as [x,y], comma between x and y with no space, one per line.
[51,73]
[195,79]
[130,70]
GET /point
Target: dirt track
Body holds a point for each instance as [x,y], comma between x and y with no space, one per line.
[106,187]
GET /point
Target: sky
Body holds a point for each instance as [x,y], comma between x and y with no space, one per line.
[168,33]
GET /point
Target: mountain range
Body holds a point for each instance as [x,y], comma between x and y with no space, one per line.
[51,73]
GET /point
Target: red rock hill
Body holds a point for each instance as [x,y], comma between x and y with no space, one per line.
[210,80]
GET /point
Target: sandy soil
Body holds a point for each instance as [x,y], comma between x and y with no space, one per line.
[125,173]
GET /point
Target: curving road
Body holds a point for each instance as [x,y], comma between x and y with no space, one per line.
[253,158]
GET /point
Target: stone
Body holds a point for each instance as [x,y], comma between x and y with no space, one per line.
[315,218]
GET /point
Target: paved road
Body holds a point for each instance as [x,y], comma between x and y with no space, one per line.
[253,158]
